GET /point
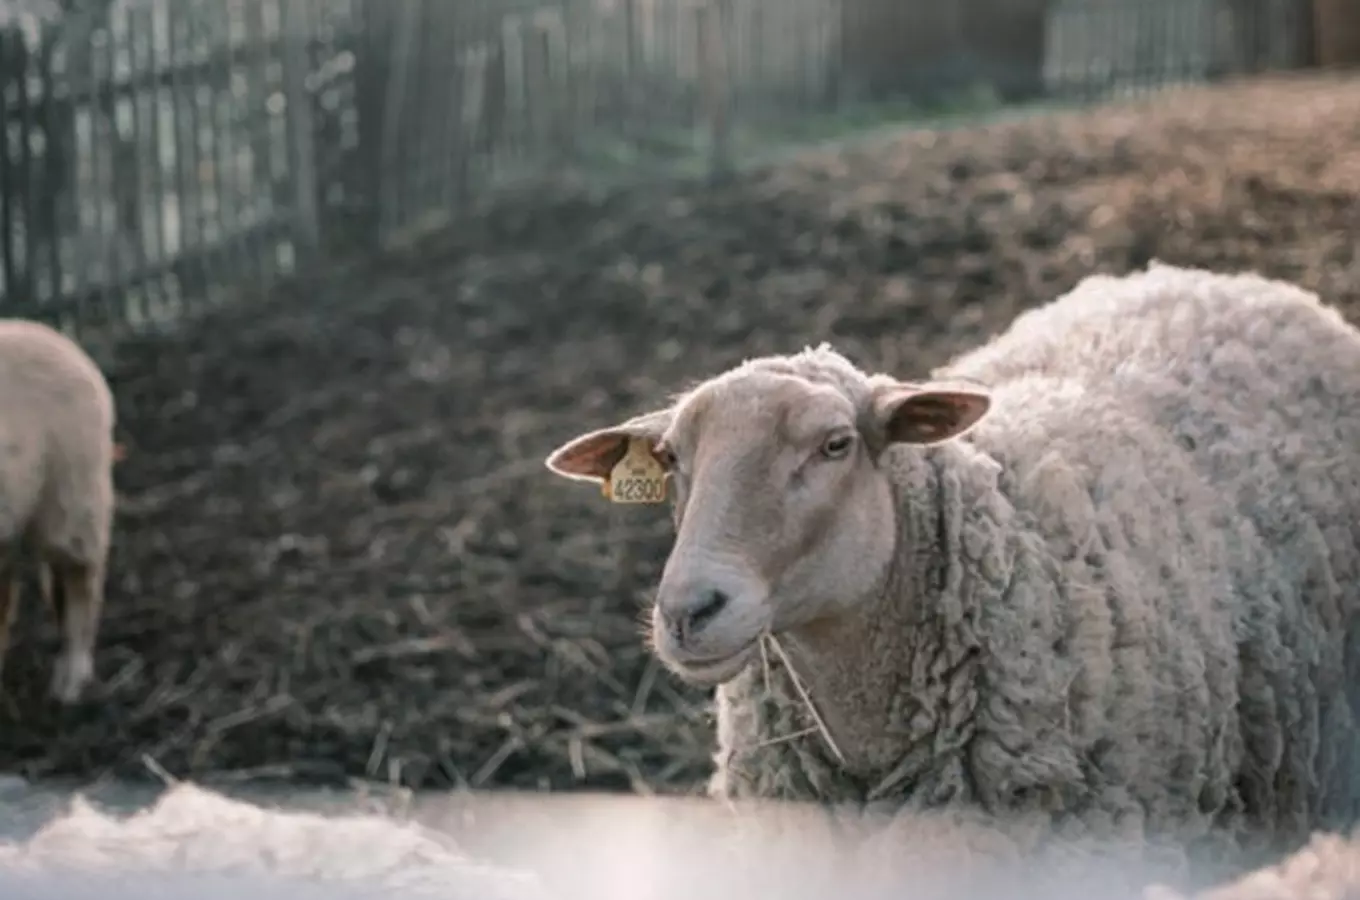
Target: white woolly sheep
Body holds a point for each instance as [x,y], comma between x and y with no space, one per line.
[193,832]
[1103,568]
[56,477]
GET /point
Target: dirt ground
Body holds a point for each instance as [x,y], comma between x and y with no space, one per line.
[339,555]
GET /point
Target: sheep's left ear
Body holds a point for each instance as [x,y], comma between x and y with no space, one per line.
[591,456]
[925,414]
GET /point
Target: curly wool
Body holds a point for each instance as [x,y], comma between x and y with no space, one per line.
[1125,598]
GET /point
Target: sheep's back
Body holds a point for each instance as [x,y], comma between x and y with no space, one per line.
[40,365]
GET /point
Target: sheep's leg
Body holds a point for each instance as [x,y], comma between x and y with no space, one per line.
[9,606]
[78,598]
[46,588]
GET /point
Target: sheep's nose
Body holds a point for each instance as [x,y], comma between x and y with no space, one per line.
[688,617]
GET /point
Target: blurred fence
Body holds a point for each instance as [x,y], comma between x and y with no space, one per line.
[155,151]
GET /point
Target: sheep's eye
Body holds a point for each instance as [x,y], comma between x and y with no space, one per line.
[837,446]
[666,455]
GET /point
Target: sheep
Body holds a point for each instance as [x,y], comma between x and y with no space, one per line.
[193,836]
[1102,568]
[57,453]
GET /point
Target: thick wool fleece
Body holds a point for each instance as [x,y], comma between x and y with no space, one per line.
[1125,599]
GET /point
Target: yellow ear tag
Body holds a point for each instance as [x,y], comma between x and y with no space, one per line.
[638,477]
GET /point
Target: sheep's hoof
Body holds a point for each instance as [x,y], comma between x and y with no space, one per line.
[73,673]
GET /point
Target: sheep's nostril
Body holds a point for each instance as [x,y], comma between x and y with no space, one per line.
[712,603]
[687,619]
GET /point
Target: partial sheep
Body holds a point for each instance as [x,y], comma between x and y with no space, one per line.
[1103,569]
[56,478]
[191,833]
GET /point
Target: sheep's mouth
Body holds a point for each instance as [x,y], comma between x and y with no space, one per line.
[715,670]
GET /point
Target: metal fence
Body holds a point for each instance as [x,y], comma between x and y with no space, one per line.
[155,151]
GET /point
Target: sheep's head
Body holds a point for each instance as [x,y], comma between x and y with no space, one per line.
[783,514]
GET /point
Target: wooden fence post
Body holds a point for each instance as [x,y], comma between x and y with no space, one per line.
[562,82]
[629,90]
[393,212]
[1336,32]
[301,126]
[717,93]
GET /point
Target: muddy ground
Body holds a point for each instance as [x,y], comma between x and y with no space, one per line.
[338,553]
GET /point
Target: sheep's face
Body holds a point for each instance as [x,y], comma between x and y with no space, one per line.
[783,516]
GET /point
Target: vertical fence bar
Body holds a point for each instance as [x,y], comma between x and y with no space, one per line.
[207,179]
[430,50]
[283,209]
[469,105]
[301,132]
[8,179]
[75,88]
[257,215]
[129,164]
[562,81]
[713,66]
[1336,32]
[444,51]
[361,171]
[400,160]
[104,131]
[188,235]
[448,114]
[254,62]
[226,119]
[632,73]
[148,90]
[422,126]
[533,60]
[23,116]
[55,182]
[206,185]
[508,143]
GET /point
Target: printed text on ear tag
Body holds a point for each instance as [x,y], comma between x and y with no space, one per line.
[638,477]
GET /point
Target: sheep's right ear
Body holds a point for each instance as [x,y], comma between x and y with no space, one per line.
[926,414]
[593,455]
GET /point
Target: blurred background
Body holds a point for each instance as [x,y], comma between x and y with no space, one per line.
[354,267]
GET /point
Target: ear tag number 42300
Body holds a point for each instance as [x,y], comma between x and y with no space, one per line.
[638,477]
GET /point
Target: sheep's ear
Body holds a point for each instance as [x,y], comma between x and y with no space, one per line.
[927,414]
[593,455]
